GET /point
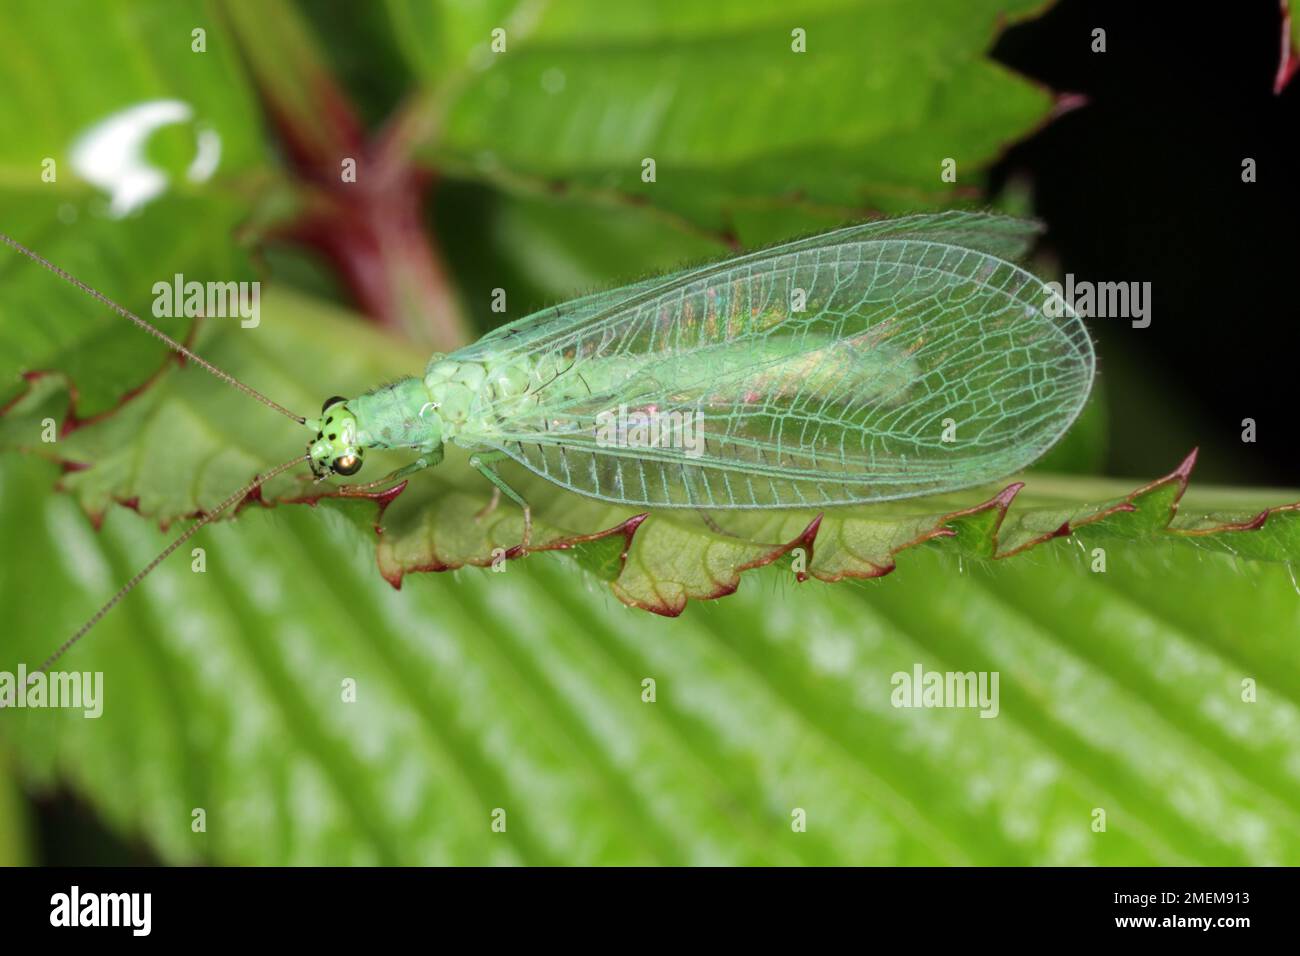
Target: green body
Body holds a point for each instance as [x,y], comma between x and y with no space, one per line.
[900,358]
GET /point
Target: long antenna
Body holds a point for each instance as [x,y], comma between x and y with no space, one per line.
[188,533]
[155,332]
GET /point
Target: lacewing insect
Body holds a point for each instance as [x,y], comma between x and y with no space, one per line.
[898,358]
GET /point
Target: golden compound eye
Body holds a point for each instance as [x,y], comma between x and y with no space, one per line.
[347,465]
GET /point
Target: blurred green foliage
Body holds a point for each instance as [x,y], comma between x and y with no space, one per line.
[525,691]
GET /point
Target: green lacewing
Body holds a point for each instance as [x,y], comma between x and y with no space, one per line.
[898,358]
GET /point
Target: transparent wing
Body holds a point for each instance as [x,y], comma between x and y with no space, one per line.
[1000,236]
[896,359]
[566,315]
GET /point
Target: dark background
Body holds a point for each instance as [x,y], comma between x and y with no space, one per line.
[1143,183]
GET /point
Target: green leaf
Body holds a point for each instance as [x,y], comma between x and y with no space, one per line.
[44,111]
[13,839]
[518,690]
[717,97]
[1163,690]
